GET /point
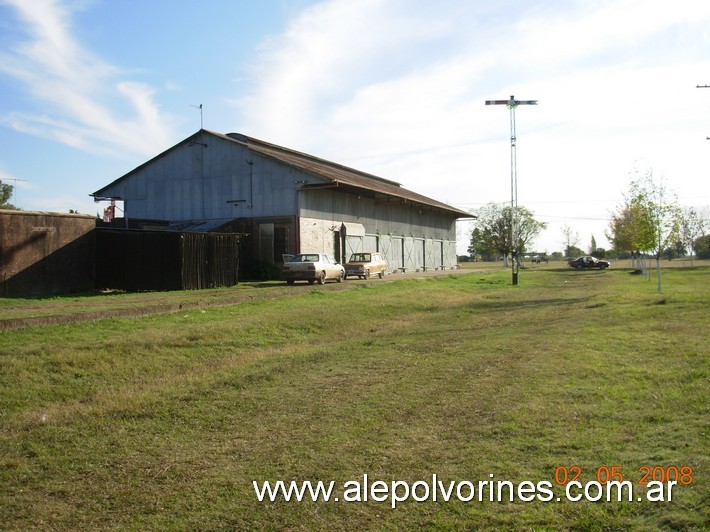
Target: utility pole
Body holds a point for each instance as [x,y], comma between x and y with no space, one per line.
[512,103]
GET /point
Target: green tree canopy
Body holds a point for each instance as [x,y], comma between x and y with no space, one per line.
[493,228]
[692,227]
[702,247]
[5,195]
[648,221]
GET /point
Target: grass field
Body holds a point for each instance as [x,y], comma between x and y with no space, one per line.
[163,422]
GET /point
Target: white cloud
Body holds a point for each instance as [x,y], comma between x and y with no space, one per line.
[84,104]
[397,89]
[327,55]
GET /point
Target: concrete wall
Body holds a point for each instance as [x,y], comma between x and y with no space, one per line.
[318,235]
[42,254]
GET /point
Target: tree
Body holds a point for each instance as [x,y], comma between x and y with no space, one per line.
[5,195]
[570,242]
[702,247]
[573,251]
[648,222]
[593,246]
[692,226]
[679,250]
[666,215]
[477,247]
[629,229]
[495,232]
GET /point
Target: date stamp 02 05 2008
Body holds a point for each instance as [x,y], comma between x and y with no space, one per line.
[683,474]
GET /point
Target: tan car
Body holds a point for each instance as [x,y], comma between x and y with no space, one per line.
[365,264]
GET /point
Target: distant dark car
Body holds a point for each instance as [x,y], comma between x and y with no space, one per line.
[587,263]
[537,259]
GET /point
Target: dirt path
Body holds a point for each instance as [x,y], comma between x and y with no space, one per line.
[106,308]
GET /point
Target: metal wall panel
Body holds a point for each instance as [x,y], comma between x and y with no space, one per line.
[371,243]
[430,256]
[450,257]
[353,244]
[386,251]
[438,253]
[419,253]
[409,256]
[219,180]
[397,252]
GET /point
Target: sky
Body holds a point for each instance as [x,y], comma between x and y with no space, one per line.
[90,89]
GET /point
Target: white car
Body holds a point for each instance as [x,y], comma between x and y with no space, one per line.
[313,267]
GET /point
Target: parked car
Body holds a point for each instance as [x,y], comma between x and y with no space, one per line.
[365,264]
[313,267]
[588,262]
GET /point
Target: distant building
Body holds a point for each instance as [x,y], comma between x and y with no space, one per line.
[286,201]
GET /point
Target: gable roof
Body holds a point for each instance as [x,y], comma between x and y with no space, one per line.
[333,173]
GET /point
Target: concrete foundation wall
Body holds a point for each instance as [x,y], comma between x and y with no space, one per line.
[43,254]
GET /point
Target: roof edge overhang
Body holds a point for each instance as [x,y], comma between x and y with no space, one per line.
[386,198]
[263,146]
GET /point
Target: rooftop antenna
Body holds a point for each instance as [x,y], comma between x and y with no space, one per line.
[200,108]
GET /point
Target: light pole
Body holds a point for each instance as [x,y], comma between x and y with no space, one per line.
[512,103]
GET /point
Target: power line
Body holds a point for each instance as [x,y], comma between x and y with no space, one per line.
[482,140]
[545,202]
[587,218]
